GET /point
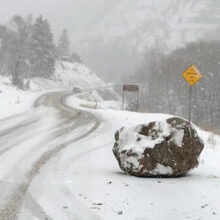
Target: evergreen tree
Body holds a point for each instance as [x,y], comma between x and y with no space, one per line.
[43,49]
[63,48]
[15,41]
[3,51]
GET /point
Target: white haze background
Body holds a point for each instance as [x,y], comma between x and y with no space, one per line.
[75,15]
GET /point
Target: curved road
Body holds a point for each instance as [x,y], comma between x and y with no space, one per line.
[29,140]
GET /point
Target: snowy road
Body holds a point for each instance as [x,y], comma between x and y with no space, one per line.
[28,141]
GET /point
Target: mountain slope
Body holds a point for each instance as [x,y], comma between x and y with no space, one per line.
[66,76]
[121,39]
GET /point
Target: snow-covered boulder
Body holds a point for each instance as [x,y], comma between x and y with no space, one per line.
[163,148]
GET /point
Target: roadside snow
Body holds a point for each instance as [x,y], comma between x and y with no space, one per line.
[13,100]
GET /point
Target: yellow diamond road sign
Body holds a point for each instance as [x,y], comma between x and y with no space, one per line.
[192,75]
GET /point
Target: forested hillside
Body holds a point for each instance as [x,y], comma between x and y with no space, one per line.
[27,50]
[118,42]
[164,90]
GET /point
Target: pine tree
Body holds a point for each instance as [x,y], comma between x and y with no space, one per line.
[15,41]
[63,48]
[43,49]
[3,50]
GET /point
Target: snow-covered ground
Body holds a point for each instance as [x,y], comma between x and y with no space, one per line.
[13,100]
[84,181]
[67,75]
[66,177]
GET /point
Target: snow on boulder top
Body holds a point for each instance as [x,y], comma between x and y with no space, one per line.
[134,137]
[170,147]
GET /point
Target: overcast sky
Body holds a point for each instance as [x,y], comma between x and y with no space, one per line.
[74,15]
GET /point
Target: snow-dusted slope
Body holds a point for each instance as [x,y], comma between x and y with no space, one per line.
[136,25]
[66,76]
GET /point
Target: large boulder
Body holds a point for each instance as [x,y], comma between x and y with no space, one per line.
[165,148]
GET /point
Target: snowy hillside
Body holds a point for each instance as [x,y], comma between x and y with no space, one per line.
[66,76]
[122,37]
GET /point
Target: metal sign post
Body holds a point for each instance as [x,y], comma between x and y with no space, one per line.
[190,103]
[192,76]
[130,88]
[123,100]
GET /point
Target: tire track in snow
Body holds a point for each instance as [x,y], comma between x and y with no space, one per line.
[14,129]
[35,208]
[11,209]
[24,132]
[21,130]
